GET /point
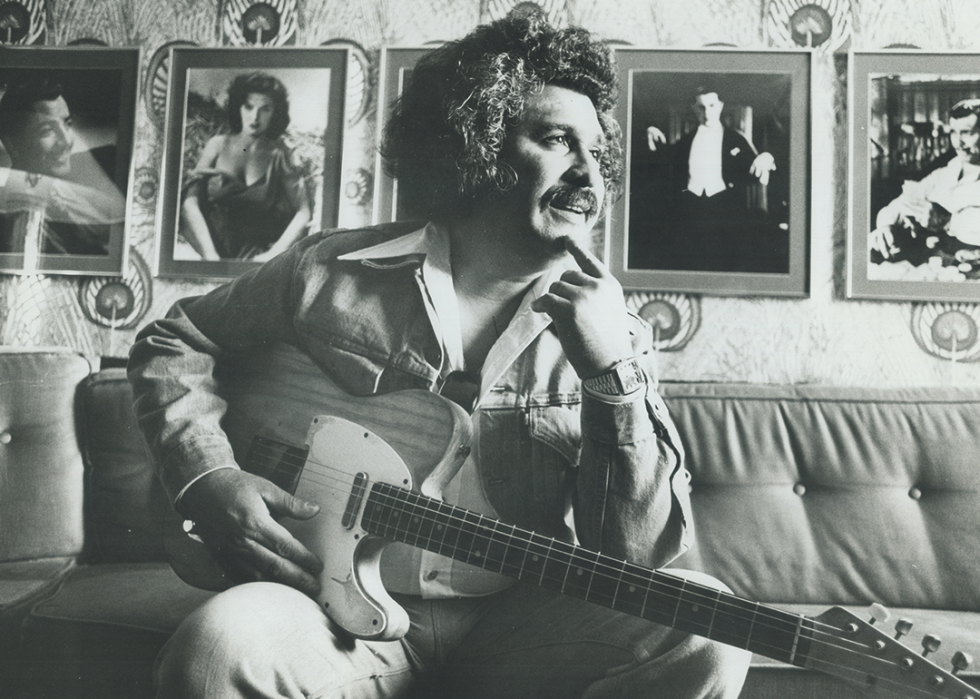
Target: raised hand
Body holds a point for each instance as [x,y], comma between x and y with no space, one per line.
[589,312]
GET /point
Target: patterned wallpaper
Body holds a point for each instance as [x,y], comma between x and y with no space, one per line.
[822,339]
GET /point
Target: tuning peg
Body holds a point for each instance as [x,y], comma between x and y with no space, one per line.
[961,661]
[878,612]
[930,644]
[902,627]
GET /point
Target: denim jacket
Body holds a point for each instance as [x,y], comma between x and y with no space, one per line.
[542,444]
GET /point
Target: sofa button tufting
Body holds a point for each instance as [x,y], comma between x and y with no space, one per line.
[915,494]
[5,438]
[799,489]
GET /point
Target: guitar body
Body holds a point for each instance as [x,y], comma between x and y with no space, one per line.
[415,439]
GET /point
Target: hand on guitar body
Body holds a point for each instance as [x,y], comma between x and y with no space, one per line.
[236,513]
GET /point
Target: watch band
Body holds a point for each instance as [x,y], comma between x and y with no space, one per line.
[623,379]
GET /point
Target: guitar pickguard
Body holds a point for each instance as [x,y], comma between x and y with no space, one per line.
[351,592]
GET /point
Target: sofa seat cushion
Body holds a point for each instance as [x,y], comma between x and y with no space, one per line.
[22,583]
[959,631]
[99,634]
[146,596]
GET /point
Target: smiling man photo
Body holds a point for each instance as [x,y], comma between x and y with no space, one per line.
[941,212]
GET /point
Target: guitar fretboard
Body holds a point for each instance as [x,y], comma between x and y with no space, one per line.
[402,515]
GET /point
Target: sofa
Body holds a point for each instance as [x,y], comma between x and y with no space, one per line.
[804,497]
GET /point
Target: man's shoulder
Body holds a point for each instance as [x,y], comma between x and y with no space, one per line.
[330,244]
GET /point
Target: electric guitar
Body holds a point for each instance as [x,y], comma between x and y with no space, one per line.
[377,467]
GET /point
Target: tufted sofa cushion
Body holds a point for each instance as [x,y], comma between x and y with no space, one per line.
[806,497]
[835,495]
[40,474]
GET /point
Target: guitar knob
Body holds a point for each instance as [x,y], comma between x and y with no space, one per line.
[961,661]
[930,644]
[878,612]
[902,627]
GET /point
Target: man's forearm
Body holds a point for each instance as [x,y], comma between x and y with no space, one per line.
[630,490]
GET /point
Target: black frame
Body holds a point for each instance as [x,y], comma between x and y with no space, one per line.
[332,61]
[395,66]
[652,80]
[885,87]
[100,86]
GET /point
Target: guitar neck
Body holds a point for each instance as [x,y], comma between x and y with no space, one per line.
[402,515]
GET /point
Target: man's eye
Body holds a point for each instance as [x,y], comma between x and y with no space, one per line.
[558,139]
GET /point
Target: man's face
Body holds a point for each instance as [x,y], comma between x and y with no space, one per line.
[555,151]
[45,142]
[707,108]
[964,135]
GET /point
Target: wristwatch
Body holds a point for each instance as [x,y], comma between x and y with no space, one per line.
[622,380]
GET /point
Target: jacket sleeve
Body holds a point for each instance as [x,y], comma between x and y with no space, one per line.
[171,367]
[631,498]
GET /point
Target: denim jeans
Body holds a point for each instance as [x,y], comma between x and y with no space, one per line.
[267,640]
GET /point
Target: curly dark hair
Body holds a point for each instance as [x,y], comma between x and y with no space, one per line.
[444,137]
[264,84]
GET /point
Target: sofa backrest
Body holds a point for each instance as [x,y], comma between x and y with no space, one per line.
[835,495]
[40,464]
[801,494]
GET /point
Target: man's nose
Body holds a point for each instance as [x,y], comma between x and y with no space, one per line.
[585,170]
[66,136]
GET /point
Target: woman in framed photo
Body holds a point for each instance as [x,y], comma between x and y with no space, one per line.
[246,198]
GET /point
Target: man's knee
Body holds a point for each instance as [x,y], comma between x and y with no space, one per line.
[721,667]
[240,628]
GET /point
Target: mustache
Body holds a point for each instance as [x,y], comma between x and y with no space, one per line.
[567,196]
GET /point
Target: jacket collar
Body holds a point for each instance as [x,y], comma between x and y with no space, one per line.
[406,250]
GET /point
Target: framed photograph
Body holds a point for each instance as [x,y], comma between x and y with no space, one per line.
[253,155]
[914,209]
[395,71]
[717,172]
[67,120]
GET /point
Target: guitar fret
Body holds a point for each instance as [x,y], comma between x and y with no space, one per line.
[619,583]
[634,591]
[497,549]
[580,574]
[677,607]
[538,557]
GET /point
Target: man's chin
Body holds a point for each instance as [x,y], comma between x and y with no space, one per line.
[61,170]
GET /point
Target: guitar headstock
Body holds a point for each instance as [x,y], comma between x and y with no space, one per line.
[846,646]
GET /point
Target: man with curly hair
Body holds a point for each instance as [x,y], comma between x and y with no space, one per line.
[504,144]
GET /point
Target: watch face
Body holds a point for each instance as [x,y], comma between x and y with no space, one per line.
[630,376]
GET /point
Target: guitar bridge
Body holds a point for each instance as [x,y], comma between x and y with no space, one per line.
[355,500]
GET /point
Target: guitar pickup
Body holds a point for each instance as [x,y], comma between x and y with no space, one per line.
[355,500]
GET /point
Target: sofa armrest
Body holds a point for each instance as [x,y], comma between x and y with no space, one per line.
[125,506]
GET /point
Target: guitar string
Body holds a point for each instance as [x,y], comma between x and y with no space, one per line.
[399,499]
[669,590]
[344,485]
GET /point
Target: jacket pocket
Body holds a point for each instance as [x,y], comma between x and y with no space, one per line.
[525,459]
